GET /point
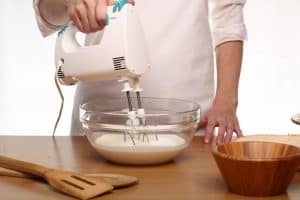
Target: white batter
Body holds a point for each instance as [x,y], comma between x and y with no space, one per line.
[114,148]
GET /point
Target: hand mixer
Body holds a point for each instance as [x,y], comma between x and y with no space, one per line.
[119,54]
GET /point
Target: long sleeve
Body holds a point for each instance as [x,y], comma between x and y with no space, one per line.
[227,21]
[53,18]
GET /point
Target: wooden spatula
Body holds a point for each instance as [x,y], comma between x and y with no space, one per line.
[71,183]
[116,180]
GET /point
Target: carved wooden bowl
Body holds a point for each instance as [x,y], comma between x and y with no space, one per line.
[257,168]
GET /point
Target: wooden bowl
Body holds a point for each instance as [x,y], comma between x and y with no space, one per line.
[257,168]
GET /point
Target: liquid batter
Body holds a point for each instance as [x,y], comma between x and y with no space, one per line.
[114,148]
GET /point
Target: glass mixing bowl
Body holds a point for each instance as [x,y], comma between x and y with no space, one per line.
[167,128]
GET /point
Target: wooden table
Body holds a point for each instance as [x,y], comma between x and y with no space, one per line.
[193,175]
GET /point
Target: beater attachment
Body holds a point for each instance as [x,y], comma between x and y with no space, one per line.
[135,117]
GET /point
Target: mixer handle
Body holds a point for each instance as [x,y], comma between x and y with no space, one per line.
[68,35]
[68,32]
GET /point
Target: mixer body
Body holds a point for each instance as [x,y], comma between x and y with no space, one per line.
[120,51]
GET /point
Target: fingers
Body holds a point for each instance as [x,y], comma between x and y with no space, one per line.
[221,133]
[82,14]
[227,126]
[226,132]
[209,131]
[203,122]
[239,132]
[91,15]
[229,133]
[101,10]
[237,129]
[111,2]
[88,15]
[74,17]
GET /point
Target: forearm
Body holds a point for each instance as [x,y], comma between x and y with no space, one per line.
[54,12]
[229,59]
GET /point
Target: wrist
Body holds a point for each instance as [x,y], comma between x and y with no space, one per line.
[230,101]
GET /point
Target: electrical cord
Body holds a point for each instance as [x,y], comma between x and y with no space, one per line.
[61,97]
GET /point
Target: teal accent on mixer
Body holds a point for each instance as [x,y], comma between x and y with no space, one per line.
[63,29]
[117,6]
[106,20]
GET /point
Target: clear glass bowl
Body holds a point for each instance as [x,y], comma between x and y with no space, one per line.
[168,128]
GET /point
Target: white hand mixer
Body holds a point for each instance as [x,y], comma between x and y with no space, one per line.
[119,54]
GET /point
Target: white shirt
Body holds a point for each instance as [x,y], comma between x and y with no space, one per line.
[181,43]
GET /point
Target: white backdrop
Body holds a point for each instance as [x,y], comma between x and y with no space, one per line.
[269,89]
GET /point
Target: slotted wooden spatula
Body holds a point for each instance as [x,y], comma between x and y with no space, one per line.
[71,183]
[116,180]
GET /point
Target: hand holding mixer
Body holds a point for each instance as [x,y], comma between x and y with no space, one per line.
[120,54]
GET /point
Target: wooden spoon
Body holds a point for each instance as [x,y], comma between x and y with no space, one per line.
[71,183]
[116,180]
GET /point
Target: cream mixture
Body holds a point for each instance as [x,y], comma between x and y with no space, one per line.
[150,151]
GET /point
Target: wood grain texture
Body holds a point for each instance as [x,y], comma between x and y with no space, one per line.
[116,180]
[257,168]
[191,176]
[12,173]
[291,139]
[285,139]
[71,183]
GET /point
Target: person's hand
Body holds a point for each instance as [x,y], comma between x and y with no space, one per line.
[89,15]
[223,115]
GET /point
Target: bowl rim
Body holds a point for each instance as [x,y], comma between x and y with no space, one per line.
[215,152]
[196,106]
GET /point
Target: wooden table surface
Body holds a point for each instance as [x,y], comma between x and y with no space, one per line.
[193,175]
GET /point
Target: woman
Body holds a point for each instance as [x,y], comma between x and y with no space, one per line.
[181,46]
